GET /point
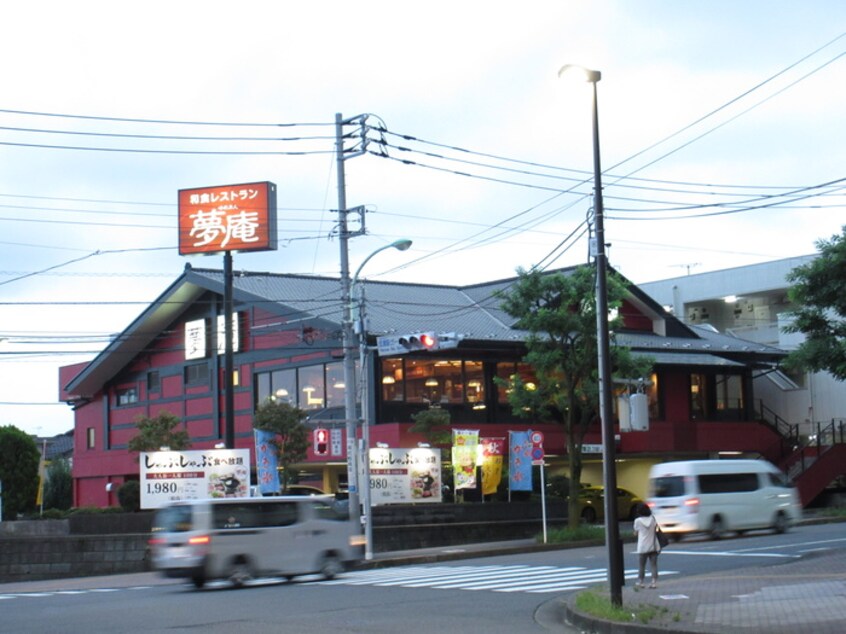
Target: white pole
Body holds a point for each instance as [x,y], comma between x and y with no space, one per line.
[543,502]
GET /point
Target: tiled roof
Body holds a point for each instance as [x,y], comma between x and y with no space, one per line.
[393,307]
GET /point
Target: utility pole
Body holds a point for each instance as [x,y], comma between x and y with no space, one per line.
[348,336]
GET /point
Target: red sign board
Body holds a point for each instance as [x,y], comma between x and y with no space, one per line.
[227,218]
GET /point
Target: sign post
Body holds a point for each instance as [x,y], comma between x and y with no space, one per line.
[538,459]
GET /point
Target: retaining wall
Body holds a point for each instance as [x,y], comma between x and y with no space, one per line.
[87,545]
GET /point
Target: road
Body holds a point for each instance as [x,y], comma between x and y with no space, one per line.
[491,594]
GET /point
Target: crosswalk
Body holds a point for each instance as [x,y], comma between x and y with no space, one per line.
[516,578]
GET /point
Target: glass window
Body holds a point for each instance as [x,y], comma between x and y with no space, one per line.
[474,375]
[698,396]
[450,382]
[197,374]
[312,387]
[393,385]
[283,385]
[729,389]
[127,396]
[335,385]
[89,438]
[668,487]
[154,382]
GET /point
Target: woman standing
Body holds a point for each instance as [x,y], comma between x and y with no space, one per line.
[646,528]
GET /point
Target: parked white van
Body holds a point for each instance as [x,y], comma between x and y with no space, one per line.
[716,496]
[242,538]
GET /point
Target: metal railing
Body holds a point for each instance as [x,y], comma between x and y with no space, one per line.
[827,436]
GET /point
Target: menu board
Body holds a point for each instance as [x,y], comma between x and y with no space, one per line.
[401,476]
[171,476]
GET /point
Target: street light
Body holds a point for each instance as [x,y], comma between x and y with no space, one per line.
[609,474]
[400,245]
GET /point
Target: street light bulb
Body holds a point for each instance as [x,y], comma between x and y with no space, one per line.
[401,245]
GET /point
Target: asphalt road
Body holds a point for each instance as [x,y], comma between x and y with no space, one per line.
[505,593]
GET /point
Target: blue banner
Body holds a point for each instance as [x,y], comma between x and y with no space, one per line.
[266,471]
[519,461]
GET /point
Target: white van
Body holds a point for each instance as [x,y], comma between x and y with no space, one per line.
[242,538]
[716,496]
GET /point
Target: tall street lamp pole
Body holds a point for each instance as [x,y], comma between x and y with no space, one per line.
[609,472]
[365,373]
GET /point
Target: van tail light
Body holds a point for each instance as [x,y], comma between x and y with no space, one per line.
[155,541]
[200,540]
[651,505]
[692,504]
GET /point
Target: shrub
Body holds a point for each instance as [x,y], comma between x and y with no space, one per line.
[129,496]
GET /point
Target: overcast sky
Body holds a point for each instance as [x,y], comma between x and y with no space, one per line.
[722,134]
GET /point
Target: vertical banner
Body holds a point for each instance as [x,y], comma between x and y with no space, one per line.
[520,461]
[267,472]
[493,449]
[464,443]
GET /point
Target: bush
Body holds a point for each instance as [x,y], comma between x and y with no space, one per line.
[58,488]
[129,496]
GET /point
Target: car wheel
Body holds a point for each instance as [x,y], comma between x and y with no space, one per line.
[780,523]
[718,529]
[589,515]
[331,566]
[240,573]
[199,581]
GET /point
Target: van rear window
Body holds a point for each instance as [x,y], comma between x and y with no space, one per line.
[173,519]
[668,487]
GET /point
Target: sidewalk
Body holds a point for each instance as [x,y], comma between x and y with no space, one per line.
[805,595]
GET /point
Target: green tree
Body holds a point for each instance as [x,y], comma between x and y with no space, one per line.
[558,311]
[58,487]
[290,440]
[157,432]
[433,424]
[819,294]
[19,457]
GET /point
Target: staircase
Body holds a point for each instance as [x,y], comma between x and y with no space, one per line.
[813,465]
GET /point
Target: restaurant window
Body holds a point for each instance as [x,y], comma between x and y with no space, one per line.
[197,374]
[474,377]
[729,392]
[312,387]
[127,396]
[442,381]
[335,384]
[154,381]
[393,385]
[698,396]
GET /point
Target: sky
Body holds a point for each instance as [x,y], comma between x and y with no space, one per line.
[723,144]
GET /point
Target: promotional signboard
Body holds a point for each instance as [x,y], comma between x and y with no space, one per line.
[170,476]
[400,476]
[227,218]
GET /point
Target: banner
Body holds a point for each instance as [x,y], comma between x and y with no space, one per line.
[464,443]
[399,476]
[493,450]
[170,476]
[267,472]
[519,461]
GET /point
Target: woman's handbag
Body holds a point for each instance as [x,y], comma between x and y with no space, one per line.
[663,540]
